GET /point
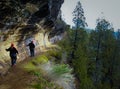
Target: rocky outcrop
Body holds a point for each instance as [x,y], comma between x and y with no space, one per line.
[54,6]
[33,11]
[45,13]
[28,20]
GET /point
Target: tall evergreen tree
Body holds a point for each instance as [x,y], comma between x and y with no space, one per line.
[76,41]
[79,50]
[79,21]
[102,45]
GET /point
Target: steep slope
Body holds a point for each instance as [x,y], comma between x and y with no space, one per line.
[38,73]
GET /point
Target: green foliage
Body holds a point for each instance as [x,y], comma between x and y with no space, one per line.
[81,70]
[43,82]
[96,61]
[61,69]
[40,60]
[79,18]
[80,61]
[54,53]
[67,42]
[96,57]
[36,73]
[102,46]
[32,65]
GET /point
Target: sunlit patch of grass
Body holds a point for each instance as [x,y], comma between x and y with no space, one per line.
[40,60]
[33,64]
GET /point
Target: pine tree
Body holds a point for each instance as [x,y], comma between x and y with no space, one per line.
[79,21]
[102,45]
[79,50]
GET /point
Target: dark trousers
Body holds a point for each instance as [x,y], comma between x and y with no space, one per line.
[13,60]
[32,53]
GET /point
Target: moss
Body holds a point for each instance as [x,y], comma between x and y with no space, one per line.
[40,60]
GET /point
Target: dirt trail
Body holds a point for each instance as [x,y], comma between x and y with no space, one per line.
[16,78]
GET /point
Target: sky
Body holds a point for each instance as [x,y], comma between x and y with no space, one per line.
[93,9]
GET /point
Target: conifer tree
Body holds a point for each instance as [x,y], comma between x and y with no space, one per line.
[79,49]
[79,21]
[102,47]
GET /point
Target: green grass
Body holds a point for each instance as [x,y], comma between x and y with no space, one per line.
[40,60]
[61,69]
[42,81]
[33,64]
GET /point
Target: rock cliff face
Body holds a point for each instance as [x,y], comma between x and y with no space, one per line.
[33,13]
[32,10]
[28,20]
[30,16]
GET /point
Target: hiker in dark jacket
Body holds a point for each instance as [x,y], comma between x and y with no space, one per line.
[13,54]
[32,48]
